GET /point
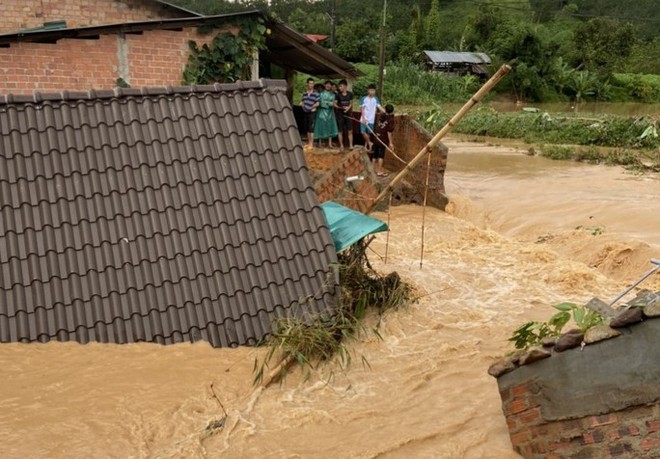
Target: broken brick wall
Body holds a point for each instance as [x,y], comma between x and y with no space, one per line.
[357,195]
[599,401]
[409,139]
[630,433]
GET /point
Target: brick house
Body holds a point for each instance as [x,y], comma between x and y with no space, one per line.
[26,14]
[99,44]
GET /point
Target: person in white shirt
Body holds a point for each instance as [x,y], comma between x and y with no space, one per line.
[369,105]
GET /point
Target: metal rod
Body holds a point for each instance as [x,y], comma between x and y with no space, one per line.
[654,261]
[444,131]
[387,238]
[426,193]
[381,58]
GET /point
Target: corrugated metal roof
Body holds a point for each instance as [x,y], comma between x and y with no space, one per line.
[164,215]
[455,57]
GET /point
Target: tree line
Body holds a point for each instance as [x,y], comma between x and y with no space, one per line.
[560,48]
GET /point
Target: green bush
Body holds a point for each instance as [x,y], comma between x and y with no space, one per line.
[408,83]
[644,88]
[606,131]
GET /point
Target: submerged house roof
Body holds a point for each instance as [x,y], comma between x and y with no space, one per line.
[160,215]
[455,57]
[284,46]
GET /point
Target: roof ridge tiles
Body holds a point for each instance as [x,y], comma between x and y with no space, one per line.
[36,201]
[38,97]
[181,161]
[172,231]
[132,214]
[92,247]
[167,118]
[150,287]
[199,327]
[65,277]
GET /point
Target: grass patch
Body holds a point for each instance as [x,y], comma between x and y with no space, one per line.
[604,131]
[308,342]
[645,88]
[636,160]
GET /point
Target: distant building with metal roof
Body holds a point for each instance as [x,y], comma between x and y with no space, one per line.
[458,62]
[161,215]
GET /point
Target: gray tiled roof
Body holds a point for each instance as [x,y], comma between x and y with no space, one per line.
[165,215]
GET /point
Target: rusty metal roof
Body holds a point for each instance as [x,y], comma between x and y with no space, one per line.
[161,215]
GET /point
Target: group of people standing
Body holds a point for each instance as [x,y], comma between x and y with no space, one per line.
[328,114]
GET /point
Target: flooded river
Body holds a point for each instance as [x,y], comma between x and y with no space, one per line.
[520,233]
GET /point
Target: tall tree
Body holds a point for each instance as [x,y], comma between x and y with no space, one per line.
[432,27]
[603,44]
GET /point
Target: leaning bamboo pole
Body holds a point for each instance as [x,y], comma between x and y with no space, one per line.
[490,84]
[281,367]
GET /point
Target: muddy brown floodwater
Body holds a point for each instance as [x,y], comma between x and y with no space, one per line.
[506,249]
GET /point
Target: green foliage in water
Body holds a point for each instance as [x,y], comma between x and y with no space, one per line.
[604,131]
[634,159]
[310,341]
[532,333]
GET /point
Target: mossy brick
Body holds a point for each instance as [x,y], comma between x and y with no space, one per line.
[589,438]
[653,426]
[530,416]
[621,449]
[598,421]
[651,442]
[520,437]
[521,389]
[629,431]
[516,406]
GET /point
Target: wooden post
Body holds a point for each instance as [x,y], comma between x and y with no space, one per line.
[254,66]
[290,76]
[443,132]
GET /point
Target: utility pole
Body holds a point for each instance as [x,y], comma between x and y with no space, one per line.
[381,61]
[333,22]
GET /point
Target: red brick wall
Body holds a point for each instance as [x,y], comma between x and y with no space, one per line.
[630,433]
[409,139]
[22,14]
[154,58]
[356,195]
[69,64]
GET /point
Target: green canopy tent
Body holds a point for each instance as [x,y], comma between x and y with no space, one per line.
[348,226]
